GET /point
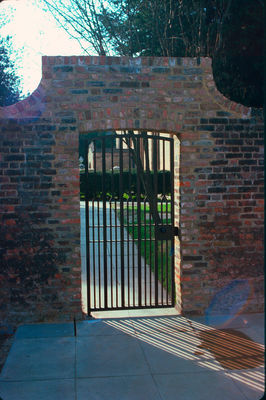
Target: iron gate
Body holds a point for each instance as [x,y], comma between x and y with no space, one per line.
[129,210]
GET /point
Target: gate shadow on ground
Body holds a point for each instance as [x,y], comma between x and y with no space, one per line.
[229,351]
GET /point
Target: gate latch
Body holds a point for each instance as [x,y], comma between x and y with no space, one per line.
[164,232]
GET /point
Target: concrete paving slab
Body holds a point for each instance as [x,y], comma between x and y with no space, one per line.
[38,390]
[45,330]
[238,321]
[50,358]
[250,324]
[99,328]
[166,356]
[199,386]
[256,333]
[250,382]
[118,388]
[249,347]
[168,321]
[116,355]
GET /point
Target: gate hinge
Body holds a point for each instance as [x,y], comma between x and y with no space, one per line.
[166,232]
[176,231]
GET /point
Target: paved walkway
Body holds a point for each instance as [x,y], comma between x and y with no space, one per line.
[132,357]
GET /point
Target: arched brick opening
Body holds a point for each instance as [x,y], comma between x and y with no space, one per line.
[176,196]
[220,174]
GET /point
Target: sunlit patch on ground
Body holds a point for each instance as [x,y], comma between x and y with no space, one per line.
[232,348]
[226,350]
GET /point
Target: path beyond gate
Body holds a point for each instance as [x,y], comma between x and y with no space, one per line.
[129,211]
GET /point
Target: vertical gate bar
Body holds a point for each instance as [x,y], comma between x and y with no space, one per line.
[94,256]
[155,159]
[127,258]
[162,266]
[145,169]
[116,258]
[164,191]
[149,168]
[99,251]
[88,266]
[111,224]
[145,253]
[151,256]
[93,230]
[161,256]
[116,242]
[167,222]
[139,218]
[133,249]
[97,287]
[167,272]
[133,227]
[121,222]
[163,247]
[104,221]
[128,224]
[172,218]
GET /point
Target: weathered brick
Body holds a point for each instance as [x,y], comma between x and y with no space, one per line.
[130,84]
[63,68]
[160,70]
[79,91]
[96,83]
[15,157]
[205,128]
[112,91]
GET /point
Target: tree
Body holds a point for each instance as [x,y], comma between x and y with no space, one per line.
[238,65]
[139,27]
[180,28]
[81,21]
[9,81]
[145,176]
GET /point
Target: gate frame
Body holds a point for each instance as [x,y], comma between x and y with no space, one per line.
[172,233]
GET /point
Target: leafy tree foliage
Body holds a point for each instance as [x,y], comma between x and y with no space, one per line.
[9,81]
[228,31]
[238,65]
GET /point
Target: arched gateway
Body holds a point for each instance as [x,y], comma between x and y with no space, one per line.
[218,179]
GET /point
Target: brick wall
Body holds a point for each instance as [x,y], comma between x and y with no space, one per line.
[39,203]
[219,178]
[222,199]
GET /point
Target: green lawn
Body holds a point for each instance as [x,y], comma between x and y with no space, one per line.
[148,246]
[160,206]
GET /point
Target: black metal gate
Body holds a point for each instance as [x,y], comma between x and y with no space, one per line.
[129,210]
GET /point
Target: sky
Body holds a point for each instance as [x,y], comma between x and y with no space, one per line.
[34,33]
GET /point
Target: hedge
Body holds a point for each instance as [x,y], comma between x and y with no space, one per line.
[92,187]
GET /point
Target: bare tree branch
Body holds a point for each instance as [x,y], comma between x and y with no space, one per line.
[145,176]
